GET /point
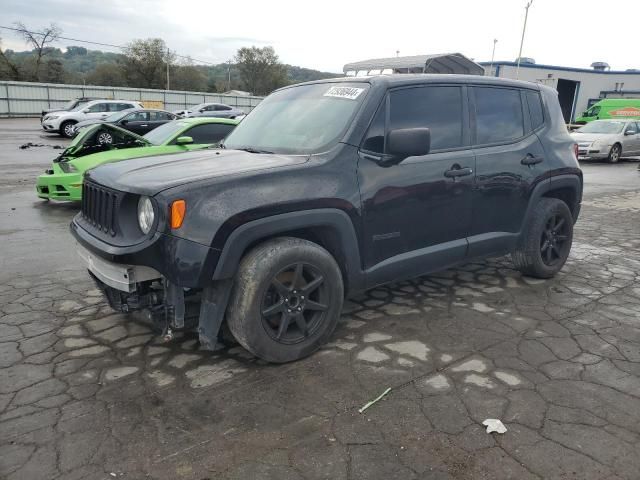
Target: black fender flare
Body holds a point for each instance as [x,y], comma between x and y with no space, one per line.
[559,181]
[253,231]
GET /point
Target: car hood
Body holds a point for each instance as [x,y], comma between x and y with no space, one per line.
[592,137]
[84,144]
[151,175]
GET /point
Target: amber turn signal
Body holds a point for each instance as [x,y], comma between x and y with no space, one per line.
[177,213]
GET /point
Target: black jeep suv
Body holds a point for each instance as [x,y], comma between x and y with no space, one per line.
[326,189]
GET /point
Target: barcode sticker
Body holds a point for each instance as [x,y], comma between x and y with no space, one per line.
[350,93]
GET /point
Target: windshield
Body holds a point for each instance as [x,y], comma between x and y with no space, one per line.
[301,120]
[165,133]
[600,126]
[197,107]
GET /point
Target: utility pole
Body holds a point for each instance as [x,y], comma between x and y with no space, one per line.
[493,54]
[168,68]
[524,28]
[229,76]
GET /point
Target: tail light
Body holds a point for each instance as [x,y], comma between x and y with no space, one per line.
[575,150]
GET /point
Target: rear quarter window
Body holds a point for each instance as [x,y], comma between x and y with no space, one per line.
[536,112]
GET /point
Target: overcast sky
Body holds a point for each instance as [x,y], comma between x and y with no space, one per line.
[326,34]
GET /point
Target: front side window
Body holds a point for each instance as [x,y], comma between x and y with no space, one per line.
[222,107]
[137,117]
[208,133]
[498,115]
[374,140]
[300,120]
[438,108]
[98,107]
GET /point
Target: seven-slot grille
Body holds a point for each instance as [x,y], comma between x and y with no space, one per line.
[99,207]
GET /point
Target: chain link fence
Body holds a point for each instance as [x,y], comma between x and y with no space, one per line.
[26,99]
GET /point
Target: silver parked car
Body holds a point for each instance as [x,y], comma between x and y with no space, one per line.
[608,139]
[219,110]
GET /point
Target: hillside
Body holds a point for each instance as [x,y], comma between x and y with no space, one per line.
[78,65]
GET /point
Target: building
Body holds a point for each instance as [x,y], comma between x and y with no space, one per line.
[578,88]
[439,63]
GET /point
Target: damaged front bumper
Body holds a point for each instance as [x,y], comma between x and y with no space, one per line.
[130,288]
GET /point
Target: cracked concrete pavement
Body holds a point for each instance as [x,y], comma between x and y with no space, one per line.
[87,393]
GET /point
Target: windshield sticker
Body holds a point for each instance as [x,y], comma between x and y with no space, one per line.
[350,93]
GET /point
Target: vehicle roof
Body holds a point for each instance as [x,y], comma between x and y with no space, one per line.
[616,119]
[114,101]
[403,79]
[201,120]
[133,110]
[617,101]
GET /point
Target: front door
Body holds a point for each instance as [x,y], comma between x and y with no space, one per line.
[417,214]
[509,160]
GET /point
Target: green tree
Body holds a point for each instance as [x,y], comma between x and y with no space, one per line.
[107,74]
[145,63]
[260,70]
[53,72]
[40,43]
[187,76]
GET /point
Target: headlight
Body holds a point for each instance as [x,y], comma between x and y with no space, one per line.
[145,214]
[68,167]
[52,117]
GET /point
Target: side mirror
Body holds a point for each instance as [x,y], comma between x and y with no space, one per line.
[202,110]
[184,140]
[407,142]
[124,122]
[630,132]
[86,110]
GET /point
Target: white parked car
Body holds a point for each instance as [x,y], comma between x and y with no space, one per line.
[608,139]
[63,122]
[219,110]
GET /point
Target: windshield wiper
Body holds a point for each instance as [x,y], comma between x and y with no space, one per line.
[252,150]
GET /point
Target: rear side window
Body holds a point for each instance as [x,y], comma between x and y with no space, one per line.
[208,133]
[535,108]
[498,115]
[437,108]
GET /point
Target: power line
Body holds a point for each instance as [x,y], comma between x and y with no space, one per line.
[122,47]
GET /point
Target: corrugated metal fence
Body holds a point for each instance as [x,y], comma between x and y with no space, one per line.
[25,99]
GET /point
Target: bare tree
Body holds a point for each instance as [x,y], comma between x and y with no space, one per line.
[39,42]
[12,70]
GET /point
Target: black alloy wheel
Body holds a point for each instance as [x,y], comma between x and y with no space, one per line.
[553,242]
[295,303]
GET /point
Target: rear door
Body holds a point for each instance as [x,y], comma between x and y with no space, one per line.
[97,110]
[510,160]
[158,118]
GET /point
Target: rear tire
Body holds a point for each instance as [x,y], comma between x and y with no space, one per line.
[615,153]
[546,243]
[286,299]
[66,128]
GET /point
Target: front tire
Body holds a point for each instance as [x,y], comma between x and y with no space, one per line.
[66,128]
[615,153]
[546,242]
[286,299]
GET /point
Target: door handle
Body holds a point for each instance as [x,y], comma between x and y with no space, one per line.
[458,172]
[145,125]
[531,160]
